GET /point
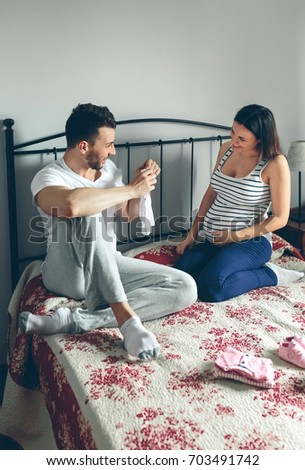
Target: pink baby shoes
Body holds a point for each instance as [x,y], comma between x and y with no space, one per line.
[292,349]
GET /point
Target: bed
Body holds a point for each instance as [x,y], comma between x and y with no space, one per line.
[74,392]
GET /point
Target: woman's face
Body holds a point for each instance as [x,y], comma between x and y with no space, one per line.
[242,139]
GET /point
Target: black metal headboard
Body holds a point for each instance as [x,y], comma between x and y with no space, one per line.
[29,148]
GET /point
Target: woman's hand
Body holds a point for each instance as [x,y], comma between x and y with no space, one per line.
[186,244]
[225,237]
[221,237]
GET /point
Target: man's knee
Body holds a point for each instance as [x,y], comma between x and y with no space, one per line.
[187,289]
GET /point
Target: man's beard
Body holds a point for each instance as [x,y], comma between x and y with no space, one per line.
[93,164]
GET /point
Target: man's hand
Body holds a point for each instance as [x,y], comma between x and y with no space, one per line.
[146,178]
[143,183]
[149,165]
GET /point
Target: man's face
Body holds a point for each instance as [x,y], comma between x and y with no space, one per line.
[102,148]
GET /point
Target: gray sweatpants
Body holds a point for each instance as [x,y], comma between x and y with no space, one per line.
[81,264]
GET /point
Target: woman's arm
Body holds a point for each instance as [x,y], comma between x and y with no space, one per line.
[206,202]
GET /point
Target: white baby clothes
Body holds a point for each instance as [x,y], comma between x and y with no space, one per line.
[244,367]
[146,214]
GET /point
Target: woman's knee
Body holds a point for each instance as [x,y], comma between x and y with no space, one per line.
[184,263]
[211,291]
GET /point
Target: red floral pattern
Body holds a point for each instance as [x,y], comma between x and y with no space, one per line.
[168,433]
[254,441]
[99,398]
[112,380]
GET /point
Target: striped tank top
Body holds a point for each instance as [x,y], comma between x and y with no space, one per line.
[240,202]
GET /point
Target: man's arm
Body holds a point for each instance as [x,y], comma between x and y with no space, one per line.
[61,201]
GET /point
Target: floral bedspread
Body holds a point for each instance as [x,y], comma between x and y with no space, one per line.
[99,398]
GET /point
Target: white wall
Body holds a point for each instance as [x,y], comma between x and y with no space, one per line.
[198,59]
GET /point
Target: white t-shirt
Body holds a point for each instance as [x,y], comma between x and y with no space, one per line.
[58,173]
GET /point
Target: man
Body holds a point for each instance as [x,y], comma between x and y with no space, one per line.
[78,195]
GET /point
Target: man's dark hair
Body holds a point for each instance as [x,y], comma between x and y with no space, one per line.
[84,122]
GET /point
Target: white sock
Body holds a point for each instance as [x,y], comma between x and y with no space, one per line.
[138,341]
[284,276]
[59,322]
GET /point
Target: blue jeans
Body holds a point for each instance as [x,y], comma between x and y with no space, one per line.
[225,272]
